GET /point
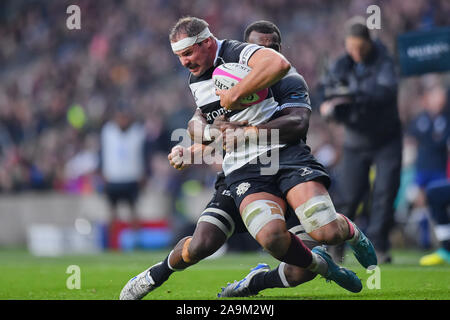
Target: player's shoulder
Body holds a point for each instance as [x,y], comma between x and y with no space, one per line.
[232,45]
[237,51]
[292,91]
[292,79]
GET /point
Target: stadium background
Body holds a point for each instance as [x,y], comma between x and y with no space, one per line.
[58,87]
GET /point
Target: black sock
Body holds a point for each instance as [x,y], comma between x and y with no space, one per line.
[161,272]
[266,280]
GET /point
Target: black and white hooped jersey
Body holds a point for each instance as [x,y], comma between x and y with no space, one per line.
[208,102]
[291,91]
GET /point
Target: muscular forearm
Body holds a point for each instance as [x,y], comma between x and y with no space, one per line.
[196,151]
[199,130]
[268,67]
[292,125]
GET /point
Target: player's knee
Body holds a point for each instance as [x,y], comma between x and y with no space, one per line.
[299,231]
[274,238]
[331,233]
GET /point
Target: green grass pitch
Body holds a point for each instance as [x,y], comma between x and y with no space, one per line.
[102,276]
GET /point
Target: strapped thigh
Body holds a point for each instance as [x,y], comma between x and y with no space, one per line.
[260,212]
[316,212]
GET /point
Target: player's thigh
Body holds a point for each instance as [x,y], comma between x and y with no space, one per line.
[219,219]
[263,215]
[303,192]
[262,196]
[259,200]
[313,207]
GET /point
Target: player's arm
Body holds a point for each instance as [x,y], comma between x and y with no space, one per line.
[198,128]
[180,157]
[268,67]
[203,133]
[292,125]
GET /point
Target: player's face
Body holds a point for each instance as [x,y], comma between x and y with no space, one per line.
[358,48]
[268,40]
[196,58]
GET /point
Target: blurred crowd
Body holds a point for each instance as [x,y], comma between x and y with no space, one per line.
[58,87]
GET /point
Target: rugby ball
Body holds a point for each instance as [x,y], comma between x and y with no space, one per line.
[228,75]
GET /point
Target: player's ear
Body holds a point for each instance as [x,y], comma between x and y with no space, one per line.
[206,42]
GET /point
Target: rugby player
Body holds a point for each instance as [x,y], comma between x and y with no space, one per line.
[267,34]
[218,221]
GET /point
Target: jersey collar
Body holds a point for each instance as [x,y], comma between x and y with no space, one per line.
[219,46]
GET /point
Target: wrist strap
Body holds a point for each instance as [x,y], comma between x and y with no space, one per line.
[207,133]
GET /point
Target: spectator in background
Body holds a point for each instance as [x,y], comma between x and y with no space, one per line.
[430,130]
[438,197]
[360,91]
[123,162]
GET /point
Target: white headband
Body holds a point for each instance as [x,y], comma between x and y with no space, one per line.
[189,41]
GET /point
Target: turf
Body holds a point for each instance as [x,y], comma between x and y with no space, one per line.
[102,276]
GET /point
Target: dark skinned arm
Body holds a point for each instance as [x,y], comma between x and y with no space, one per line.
[293,124]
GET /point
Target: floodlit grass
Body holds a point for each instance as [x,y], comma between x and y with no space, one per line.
[102,276]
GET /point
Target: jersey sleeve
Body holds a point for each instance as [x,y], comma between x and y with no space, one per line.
[247,52]
[236,51]
[292,91]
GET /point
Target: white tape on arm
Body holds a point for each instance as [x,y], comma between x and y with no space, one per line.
[207,133]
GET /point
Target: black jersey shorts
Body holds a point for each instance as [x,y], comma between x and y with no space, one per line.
[222,211]
[296,165]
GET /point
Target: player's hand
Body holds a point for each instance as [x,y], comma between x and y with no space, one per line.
[219,121]
[176,157]
[235,134]
[229,100]
[224,121]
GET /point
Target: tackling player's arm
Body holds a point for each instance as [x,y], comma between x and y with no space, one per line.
[292,125]
[203,134]
[268,67]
